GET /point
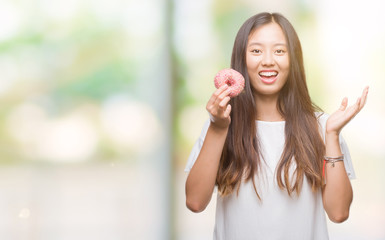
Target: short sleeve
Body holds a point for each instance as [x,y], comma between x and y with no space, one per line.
[322,118]
[347,159]
[197,147]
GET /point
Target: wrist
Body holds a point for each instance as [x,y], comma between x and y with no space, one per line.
[218,128]
[331,138]
[332,134]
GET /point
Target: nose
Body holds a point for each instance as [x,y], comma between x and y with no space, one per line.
[267,59]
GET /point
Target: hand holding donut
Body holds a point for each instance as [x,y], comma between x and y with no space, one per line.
[230,83]
[218,107]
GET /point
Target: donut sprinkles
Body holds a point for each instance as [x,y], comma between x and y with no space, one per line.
[232,78]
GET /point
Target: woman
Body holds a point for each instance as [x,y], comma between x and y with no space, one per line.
[278,163]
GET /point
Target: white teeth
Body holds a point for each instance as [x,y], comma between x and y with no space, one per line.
[268,74]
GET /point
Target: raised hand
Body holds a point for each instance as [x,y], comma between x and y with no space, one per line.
[344,114]
[219,109]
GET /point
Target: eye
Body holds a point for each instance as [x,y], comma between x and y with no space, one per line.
[280,51]
[257,51]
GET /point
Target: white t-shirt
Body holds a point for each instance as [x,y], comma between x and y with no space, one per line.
[278,216]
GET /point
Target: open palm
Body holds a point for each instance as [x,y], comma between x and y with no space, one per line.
[344,114]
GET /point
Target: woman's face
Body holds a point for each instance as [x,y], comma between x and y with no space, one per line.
[267,59]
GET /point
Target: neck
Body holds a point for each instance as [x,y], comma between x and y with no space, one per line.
[267,108]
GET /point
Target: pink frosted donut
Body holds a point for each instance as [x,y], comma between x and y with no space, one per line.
[232,78]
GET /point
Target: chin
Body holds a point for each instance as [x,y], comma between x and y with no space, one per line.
[268,90]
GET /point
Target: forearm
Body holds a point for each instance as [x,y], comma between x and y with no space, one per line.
[200,182]
[337,194]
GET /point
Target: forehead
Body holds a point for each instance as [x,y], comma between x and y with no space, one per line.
[270,33]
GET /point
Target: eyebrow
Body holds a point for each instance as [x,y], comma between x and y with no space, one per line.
[260,44]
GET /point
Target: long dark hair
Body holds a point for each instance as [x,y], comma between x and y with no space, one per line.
[241,156]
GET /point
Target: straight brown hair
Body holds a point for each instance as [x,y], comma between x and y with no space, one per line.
[241,157]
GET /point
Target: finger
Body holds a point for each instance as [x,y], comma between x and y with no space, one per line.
[355,109]
[224,102]
[223,87]
[364,97]
[223,96]
[357,105]
[227,112]
[344,103]
[217,93]
[221,107]
[218,106]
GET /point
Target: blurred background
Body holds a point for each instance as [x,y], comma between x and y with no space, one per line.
[101,102]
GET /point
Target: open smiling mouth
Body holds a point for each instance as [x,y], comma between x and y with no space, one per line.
[268,77]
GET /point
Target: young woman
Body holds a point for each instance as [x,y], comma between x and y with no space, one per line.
[277,161]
